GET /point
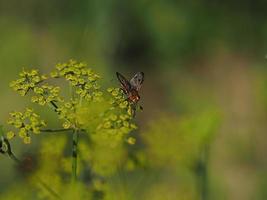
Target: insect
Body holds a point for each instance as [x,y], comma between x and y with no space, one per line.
[132,87]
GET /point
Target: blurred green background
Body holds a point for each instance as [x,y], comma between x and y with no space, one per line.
[203,128]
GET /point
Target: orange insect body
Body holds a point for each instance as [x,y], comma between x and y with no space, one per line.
[133,96]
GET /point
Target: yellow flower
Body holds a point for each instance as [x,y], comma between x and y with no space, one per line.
[54,74]
[131,140]
[27,140]
[107,124]
[66,125]
[10,135]
[22,133]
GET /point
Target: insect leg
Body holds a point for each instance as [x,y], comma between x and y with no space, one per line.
[133,106]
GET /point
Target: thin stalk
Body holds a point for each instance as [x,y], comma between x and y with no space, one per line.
[74,143]
[75,136]
[55,130]
[10,153]
[202,173]
[54,106]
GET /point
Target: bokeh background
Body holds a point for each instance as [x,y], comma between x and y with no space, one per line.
[203,128]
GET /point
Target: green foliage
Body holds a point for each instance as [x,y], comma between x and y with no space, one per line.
[179,141]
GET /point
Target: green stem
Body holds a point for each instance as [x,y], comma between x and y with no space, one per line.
[53,106]
[203,174]
[74,154]
[55,130]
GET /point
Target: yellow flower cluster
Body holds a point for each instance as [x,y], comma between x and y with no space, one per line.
[33,81]
[27,122]
[118,100]
[28,80]
[116,122]
[82,78]
[45,94]
[67,112]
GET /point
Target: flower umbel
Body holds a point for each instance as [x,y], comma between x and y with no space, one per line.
[82,78]
[28,81]
[26,123]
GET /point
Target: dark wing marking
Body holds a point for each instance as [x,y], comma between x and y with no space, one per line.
[126,86]
[137,80]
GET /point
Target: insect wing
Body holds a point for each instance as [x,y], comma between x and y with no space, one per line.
[124,82]
[137,80]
